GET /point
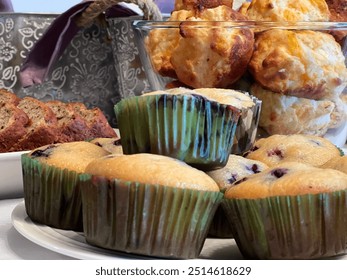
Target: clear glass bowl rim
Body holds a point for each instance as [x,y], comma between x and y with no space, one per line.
[298,25]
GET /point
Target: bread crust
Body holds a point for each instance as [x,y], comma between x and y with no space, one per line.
[13,126]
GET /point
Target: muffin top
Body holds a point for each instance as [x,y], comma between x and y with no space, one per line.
[151,169]
[309,149]
[338,163]
[232,97]
[72,155]
[111,145]
[288,179]
[236,168]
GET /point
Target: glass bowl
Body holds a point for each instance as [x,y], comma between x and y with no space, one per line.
[298,66]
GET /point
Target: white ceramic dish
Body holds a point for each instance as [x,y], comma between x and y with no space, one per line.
[73,244]
[11,179]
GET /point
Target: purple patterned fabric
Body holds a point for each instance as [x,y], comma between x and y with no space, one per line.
[52,44]
[6,6]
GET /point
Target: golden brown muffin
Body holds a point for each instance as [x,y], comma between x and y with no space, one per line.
[224,96]
[288,10]
[303,63]
[152,169]
[308,149]
[338,163]
[73,156]
[290,201]
[212,57]
[288,179]
[112,145]
[236,169]
[200,4]
[284,114]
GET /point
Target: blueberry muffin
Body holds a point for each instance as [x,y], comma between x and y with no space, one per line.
[111,145]
[309,149]
[291,211]
[338,163]
[188,126]
[51,181]
[246,129]
[236,169]
[150,205]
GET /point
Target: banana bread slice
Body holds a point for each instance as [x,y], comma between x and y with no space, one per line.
[72,127]
[8,97]
[98,126]
[13,123]
[42,128]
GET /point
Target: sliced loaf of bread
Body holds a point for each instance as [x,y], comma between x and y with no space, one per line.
[98,125]
[43,125]
[72,127]
[13,122]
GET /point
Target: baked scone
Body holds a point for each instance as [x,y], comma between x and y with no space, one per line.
[284,114]
[112,145]
[52,176]
[308,149]
[160,50]
[200,4]
[212,57]
[290,211]
[150,204]
[288,10]
[303,63]
[13,124]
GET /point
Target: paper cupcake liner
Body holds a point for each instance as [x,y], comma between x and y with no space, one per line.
[52,195]
[187,127]
[290,227]
[147,219]
[246,130]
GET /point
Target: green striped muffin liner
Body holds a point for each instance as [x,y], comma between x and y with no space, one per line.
[187,127]
[146,219]
[52,195]
[247,127]
[290,227]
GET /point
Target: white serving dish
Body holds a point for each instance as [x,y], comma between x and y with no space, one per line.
[11,179]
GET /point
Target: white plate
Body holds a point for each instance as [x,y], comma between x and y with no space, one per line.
[73,244]
[11,179]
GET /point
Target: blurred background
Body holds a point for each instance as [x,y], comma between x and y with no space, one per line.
[43,5]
